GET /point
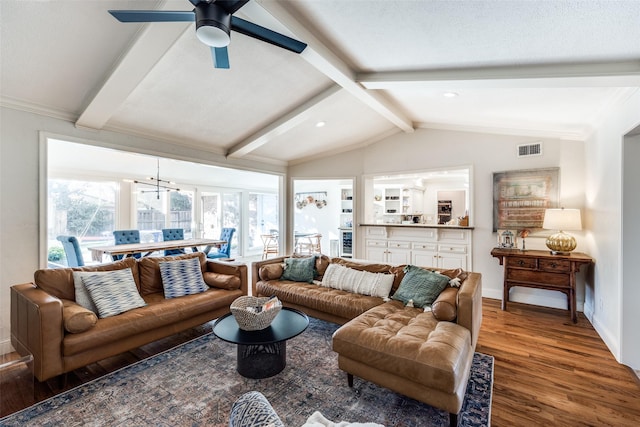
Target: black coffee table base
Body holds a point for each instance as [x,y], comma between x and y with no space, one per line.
[262,361]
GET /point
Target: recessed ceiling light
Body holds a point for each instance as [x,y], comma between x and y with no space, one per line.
[320,124]
[450,94]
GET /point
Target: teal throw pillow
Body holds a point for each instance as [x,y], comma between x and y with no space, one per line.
[299,269]
[421,286]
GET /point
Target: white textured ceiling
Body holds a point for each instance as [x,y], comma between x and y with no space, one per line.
[371,68]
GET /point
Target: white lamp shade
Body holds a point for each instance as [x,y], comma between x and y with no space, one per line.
[562,219]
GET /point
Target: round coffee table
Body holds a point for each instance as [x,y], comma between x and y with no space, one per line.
[262,354]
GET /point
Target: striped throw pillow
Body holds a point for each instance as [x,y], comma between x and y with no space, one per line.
[113,292]
[182,277]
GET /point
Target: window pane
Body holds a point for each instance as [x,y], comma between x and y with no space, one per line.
[152,214]
[263,217]
[181,211]
[83,209]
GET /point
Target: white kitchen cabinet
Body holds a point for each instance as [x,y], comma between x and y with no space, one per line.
[421,245]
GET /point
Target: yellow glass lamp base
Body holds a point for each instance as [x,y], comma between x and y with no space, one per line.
[561,243]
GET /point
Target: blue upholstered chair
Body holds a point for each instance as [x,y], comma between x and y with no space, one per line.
[173,234]
[124,237]
[225,250]
[72,251]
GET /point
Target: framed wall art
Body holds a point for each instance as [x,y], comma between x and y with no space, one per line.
[520,197]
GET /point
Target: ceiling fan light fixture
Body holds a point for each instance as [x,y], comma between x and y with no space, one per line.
[213,36]
[213,24]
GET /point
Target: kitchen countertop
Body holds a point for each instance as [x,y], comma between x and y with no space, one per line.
[464,227]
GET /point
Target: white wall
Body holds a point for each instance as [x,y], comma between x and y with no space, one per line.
[324,221]
[19,190]
[604,202]
[433,149]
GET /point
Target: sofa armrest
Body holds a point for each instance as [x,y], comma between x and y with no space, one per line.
[255,270]
[37,328]
[470,305]
[233,268]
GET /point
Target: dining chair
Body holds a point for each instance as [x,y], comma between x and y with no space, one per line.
[124,237]
[173,234]
[224,251]
[72,251]
[312,245]
[269,245]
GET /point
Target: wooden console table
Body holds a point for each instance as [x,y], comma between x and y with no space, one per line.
[541,270]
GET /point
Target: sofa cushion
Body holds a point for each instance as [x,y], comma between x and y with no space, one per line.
[222,281]
[335,302]
[445,306]
[299,269]
[114,292]
[182,277]
[271,271]
[59,281]
[409,343]
[357,281]
[420,286]
[76,318]
[150,277]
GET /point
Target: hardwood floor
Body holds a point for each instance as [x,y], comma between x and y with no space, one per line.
[548,371]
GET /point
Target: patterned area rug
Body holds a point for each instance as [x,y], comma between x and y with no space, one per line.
[196,383]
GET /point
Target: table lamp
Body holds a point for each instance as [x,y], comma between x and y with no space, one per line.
[561,219]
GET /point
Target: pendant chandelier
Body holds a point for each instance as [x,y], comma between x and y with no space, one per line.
[159,184]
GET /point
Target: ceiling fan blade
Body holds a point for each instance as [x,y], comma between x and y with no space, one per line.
[153,15]
[266,35]
[220,57]
[231,6]
[195,2]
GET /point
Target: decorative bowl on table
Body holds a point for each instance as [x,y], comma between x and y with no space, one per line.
[255,313]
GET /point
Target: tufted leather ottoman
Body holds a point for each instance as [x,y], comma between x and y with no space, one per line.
[410,352]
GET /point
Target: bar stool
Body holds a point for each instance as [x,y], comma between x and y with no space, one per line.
[269,245]
[312,246]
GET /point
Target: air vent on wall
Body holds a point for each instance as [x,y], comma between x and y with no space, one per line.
[534,149]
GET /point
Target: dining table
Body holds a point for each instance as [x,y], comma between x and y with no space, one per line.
[148,248]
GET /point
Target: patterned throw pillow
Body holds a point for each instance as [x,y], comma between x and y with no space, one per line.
[182,277]
[357,281]
[421,286]
[82,295]
[299,269]
[113,292]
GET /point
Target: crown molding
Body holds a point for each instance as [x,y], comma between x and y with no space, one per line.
[506,130]
[33,108]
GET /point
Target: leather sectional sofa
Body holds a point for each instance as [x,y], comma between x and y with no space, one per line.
[47,322]
[423,354]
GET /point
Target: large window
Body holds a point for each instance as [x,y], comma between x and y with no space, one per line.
[158,210]
[103,192]
[84,209]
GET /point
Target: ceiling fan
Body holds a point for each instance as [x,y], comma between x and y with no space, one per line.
[214,22]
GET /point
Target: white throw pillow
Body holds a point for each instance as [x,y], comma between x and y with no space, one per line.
[359,282]
[182,277]
[113,292]
[82,295]
[318,420]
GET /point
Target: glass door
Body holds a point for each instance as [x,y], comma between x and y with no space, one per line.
[221,209]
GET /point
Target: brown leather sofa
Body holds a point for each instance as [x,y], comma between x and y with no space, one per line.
[48,323]
[425,355]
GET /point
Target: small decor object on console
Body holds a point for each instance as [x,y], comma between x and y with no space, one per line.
[523,235]
[255,313]
[507,239]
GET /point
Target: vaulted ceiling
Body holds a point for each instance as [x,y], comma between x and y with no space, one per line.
[543,69]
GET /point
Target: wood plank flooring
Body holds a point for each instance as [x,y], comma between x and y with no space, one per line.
[548,371]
